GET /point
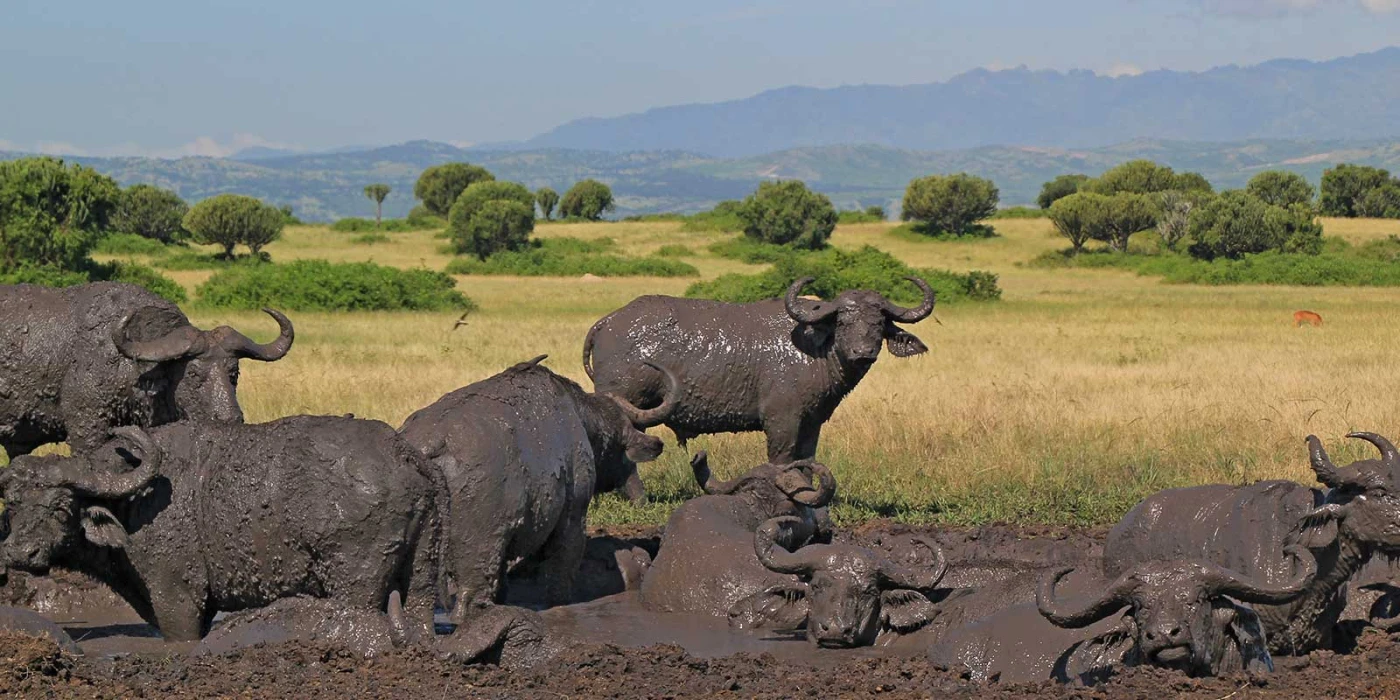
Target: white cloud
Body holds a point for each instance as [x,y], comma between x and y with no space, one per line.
[1275,8]
[1120,70]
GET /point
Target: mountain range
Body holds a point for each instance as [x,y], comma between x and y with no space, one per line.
[328,186]
[1356,97]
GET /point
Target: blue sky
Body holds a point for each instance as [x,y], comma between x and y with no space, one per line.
[158,77]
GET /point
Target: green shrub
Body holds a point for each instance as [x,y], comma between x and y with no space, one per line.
[1062,186]
[547,199]
[195,260]
[856,216]
[747,250]
[1381,203]
[787,213]
[1281,188]
[914,232]
[129,244]
[674,250]
[1346,185]
[723,218]
[354,224]
[47,276]
[422,219]
[1144,177]
[129,273]
[1122,215]
[1080,217]
[151,212]
[317,285]
[949,204]
[587,199]
[570,257]
[837,270]
[439,186]
[1341,265]
[476,196]
[288,218]
[228,220]
[1235,224]
[1019,212]
[370,238]
[496,226]
[52,215]
[651,218]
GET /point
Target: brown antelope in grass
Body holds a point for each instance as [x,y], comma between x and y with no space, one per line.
[1301,317]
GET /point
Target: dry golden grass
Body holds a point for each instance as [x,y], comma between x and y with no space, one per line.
[1078,394]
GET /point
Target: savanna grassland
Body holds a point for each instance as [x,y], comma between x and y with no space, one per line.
[1069,400]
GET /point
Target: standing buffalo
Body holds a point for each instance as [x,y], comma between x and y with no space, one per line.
[780,366]
[706,563]
[850,595]
[523,453]
[1248,528]
[192,519]
[76,362]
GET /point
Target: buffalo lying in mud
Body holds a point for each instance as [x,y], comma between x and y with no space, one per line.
[523,453]
[191,519]
[76,362]
[1248,528]
[779,366]
[1176,614]
[848,595]
[706,563]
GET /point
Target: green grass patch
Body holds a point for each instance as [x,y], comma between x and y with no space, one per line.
[721,219]
[749,250]
[571,257]
[851,216]
[370,239]
[196,260]
[675,250]
[838,270]
[357,225]
[128,272]
[129,244]
[654,218]
[317,285]
[1020,213]
[913,232]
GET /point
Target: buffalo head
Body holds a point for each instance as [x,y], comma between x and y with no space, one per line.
[860,320]
[617,429]
[1362,502]
[805,482]
[850,594]
[1181,612]
[202,365]
[49,499]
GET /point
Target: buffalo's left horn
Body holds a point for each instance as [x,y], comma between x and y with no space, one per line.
[644,418]
[84,478]
[1388,454]
[1063,615]
[823,485]
[1218,580]
[181,342]
[700,467]
[1322,465]
[773,556]
[920,577]
[819,310]
[241,346]
[903,315]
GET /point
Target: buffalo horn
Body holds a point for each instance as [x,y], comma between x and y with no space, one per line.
[1388,454]
[241,346]
[918,577]
[85,479]
[181,342]
[700,466]
[822,488]
[644,418]
[1322,465]
[815,311]
[903,315]
[1218,580]
[776,558]
[1062,615]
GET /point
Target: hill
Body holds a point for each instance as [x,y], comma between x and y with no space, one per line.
[327,186]
[1351,98]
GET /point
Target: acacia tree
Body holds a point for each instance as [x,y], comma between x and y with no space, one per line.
[230,219]
[1281,188]
[787,213]
[547,199]
[376,193]
[1145,177]
[587,199]
[1236,223]
[949,203]
[1174,216]
[1080,217]
[439,186]
[499,224]
[151,212]
[473,198]
[1061,186]
[1124,214]
[51,214]
[1346,185]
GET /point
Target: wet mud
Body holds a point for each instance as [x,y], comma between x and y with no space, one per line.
[611,647]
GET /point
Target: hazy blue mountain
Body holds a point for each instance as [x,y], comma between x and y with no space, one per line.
[329,185]
[1347,98]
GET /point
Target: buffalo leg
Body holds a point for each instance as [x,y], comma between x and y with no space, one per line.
[477,581]
[782,432]
[562,554]
[181,619]
[807,442]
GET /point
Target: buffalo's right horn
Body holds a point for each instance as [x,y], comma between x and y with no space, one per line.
[1218,580]
[816,312]
[1063,615]
[1322,465]
[242,346]
[920,577]
[700,466]
[1388,454]
[644,418]
[184,341]
[776,558]
[84,478]
[914,315]
[822,488]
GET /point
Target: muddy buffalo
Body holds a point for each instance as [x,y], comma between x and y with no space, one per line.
[76,362]
[187,520]
[1248,528]
[523,453]
[706,563]
[780,366]
[847,595]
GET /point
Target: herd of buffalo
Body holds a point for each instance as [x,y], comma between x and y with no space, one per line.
[348,530]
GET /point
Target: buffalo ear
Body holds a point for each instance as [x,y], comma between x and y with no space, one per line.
[780,606]
[904,610]
[902,343]
[102,528]
[1248,632]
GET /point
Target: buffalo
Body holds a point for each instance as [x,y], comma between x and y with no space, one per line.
[781,366]
[1174,614]
[1248,528]
[76,362]
[187,520]
[706,563]
[848,595]
[523,453]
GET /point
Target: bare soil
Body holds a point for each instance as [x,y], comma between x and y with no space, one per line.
[122,660]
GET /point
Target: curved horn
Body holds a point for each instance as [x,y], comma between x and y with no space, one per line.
[1062,615]
[819,311]
[644,418]
[823,485]
[1388,453]
[536,361]
[1322,465]
[776,558]
[700,466]
[1221,581]
[181,342]
[919,578]
[83,477]
[241,346]
[903,315]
